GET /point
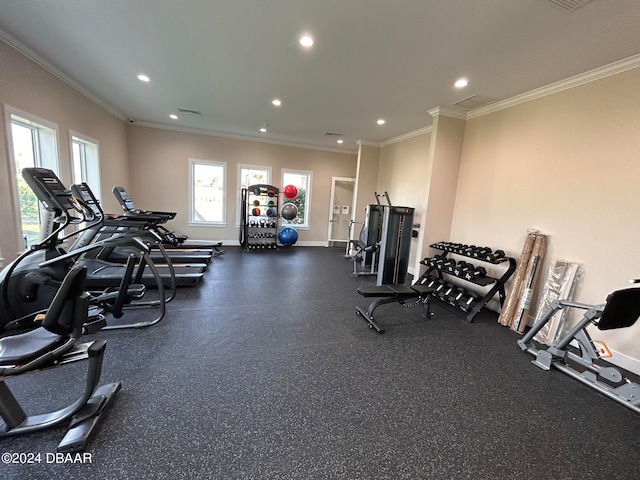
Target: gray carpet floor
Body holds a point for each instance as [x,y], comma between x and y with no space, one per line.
[265,372]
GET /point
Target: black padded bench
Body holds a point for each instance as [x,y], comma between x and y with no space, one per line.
[390,294]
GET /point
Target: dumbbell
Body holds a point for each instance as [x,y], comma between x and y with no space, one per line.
[433,282]
[438,262]
[454,294]
[465,300]
[497,255]
[462,267]
[481,252]
[440,288]
[449,264]
[468,250]
[459,247]
[428,261]
[477,272]
[443,292]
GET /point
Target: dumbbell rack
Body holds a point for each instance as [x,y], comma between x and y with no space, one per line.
[457,296]
[259,222]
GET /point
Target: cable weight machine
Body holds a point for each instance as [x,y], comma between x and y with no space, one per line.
[395,242]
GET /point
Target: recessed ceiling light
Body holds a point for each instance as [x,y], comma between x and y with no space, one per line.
[276,102]
[173,116]
[340,141]
[263,129]
[461,83]
[144,78]
[381,121]
[306,41]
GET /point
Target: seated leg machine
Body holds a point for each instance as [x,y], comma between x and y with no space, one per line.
[622,309]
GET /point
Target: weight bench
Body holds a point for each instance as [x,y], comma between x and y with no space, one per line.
[621,310]
[391,294]
[53,344]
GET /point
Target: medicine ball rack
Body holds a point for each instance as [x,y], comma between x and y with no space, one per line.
[454,294]
[259,223]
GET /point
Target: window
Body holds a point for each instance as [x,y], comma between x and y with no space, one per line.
[34,144]
[253,174]
[250,175]
[207,192]
[302,181]
[86,167]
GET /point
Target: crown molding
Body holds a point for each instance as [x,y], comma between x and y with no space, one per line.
[367,143]
[448,112]
[571,82]
[406,136]
[41,62]
[248,138]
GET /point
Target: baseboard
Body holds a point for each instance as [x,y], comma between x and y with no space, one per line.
[311,243]
[236,243]
[624,361]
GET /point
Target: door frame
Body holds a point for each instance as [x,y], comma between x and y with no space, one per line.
[331,204]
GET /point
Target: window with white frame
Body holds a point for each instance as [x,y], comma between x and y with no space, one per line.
[207,187]
[250,175]
[302,181]
[85,163]
[34,144]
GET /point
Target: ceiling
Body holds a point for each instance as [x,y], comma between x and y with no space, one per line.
[372,59]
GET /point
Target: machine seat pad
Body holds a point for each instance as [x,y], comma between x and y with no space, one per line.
[385,290]
[22,348]
[402,289]
[422,289]
[622,309]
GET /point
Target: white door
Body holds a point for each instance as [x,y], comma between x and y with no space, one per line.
[340,210]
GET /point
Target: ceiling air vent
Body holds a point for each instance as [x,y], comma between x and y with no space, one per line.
[474,101]
[188,110]
[567,5]
[332,134]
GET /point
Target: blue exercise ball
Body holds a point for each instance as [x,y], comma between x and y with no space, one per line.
[288,236]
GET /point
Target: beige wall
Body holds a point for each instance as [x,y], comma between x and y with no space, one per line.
[30,88]
[366,184]
[404,173]
[569,165]
[159,176]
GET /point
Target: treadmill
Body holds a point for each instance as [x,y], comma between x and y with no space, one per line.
[101,274]
[170,239]
[108,225]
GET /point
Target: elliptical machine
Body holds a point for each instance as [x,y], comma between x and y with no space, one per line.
[29,283]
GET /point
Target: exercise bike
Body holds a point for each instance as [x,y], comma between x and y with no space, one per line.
[55,343]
